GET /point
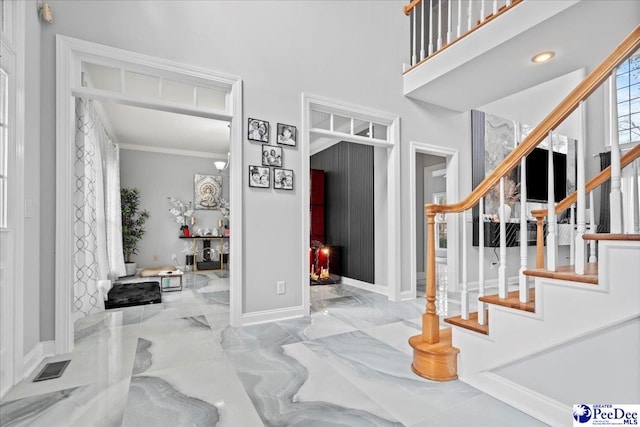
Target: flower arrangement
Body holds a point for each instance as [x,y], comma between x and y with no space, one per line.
[182,211]
[511,191]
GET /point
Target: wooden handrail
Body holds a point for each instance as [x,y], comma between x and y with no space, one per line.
[596,181]
[599,74]
[408,8]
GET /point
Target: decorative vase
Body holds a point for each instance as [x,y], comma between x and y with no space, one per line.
[186,232]
[130,268]
[505,211]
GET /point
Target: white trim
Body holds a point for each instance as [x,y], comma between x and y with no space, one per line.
[406,296]
[41,351]
[378,289]
[173,151]
[392,122]
[453,250]
[271,315]
[341,136]
[70,53]
[532,403]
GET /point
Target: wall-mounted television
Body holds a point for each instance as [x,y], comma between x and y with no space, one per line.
[538,177]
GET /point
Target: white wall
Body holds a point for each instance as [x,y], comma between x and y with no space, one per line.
[32,231]
[346,50]
[159,176]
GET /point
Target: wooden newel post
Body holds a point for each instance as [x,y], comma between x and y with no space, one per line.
[540,242]
[430,319]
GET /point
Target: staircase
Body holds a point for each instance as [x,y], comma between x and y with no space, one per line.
[565,303]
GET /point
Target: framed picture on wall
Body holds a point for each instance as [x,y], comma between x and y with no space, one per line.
[282,179]
[259,176]
[286,135]
[207,190]
[271,156]
[258,130]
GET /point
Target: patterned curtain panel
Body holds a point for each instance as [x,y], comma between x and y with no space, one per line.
[96,201]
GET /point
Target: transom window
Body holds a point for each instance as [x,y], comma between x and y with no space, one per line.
[628,99]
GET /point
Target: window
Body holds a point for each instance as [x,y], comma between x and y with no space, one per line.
[628,98]
[4,145]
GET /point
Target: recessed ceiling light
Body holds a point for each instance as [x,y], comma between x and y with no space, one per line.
[543,57]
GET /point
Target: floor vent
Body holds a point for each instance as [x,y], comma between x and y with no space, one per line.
[52,370]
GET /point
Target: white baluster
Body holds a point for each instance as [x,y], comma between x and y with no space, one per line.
[415,31]
[502,267]
[422,40]
[430,27]
[552,253]
[482,12]
[581,197]
[636,198]
[508,3]
[523,288]
[592,229]
[449,22]
[439,24]
[481,305]
[464,296]
[616,196]
[495,7]
[459,29]
[469,15]
[572,235]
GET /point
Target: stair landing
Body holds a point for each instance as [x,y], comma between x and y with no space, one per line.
[567,272]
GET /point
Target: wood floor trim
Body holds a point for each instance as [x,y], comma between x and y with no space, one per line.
[512,301]
[471,323]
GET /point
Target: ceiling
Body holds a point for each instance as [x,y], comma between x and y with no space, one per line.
[495,61]
[155,130]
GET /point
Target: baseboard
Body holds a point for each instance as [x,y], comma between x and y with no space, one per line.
[532,403]
[271,315]
[406,295]
[37,354]
[378,289]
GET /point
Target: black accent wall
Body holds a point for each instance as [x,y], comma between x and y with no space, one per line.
[349,216]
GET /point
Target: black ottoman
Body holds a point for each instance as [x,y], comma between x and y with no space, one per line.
[130,294]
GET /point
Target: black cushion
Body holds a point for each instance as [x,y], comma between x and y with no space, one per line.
[130,294]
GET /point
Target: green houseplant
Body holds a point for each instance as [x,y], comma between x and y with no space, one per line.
[133,220]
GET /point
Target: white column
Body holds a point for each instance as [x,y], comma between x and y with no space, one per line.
[523,288]
[439,24]
[552,253]
[581,196]
[481,305]
[592,229]
[616,195]
[422,40]
[464,296]
[502,267]
[430,27]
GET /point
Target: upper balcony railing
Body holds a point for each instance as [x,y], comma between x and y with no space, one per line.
[437,24]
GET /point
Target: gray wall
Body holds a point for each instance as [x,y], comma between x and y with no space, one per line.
[349,208]
[437,185]
[159,176]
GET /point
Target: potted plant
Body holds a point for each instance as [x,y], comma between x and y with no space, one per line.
[133,220]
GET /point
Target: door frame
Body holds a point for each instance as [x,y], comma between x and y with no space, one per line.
[70,53]
[453,244]
[309,102]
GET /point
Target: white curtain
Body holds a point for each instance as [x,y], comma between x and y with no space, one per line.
[98,244]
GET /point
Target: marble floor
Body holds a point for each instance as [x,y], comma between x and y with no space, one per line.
[179,363]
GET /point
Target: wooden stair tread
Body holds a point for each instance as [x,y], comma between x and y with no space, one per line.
[471,323]
[567,272]
[512,301]
[611,236]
